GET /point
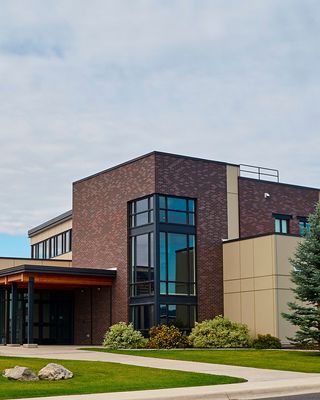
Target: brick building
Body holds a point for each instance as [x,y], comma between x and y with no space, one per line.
[159,239]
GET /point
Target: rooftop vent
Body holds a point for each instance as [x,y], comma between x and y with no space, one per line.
[260,173]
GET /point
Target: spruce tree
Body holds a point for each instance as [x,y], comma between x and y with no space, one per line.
[305,311]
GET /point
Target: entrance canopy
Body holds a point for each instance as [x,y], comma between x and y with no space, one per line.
[50,277]
[20,319]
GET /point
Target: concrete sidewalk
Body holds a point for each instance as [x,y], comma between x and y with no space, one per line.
[261,382]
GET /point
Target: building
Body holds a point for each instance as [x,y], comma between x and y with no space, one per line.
[162,238]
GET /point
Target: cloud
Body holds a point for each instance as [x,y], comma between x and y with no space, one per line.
[87,85]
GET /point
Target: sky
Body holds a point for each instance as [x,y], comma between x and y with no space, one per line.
[87,85]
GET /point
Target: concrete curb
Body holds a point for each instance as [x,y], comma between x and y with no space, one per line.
[240,391]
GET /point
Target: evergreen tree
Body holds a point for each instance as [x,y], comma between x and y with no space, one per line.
[305,311]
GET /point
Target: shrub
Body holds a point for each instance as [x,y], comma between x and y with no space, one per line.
[266,342]
[166,337]
[220,332]
[123,336]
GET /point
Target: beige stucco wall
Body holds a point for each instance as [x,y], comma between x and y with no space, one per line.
[55,230]
[14,262]
[233,201]
[257,283]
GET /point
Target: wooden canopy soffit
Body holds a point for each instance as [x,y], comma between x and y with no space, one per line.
[43,280]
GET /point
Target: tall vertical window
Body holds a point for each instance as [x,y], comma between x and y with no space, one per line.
[177,264]
[176,210]
[181,315]
[141,265]
[282,223]
[304,226]
[141,212]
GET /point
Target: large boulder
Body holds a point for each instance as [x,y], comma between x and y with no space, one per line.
[54,372]
[20,374]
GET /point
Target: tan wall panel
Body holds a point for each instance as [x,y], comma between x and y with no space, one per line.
[284,282]
[232,178]
[65,256]
[232,286]
[232,306]
[231,261]
[263,248]
[51,232]
[285,328]
[247,285]
[263,282]
[14,262]
[264,312]
[246,259]
[233,215]
[285,248]
[248,311]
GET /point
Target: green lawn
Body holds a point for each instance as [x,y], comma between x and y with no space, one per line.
[299,361]
[99,377]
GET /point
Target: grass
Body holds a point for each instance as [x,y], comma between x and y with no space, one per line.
[100,377]
[299,361]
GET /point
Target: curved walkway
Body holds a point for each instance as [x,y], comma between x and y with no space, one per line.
[260,381]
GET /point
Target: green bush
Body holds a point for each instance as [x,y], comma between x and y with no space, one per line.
[123,336]
[220,332]
[166,337]
[266,342]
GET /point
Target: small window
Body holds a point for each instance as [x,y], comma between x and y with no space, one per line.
[304,226]
[176,210]
[141,212]
[281,223]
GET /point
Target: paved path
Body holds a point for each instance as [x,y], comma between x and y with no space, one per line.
[260,381]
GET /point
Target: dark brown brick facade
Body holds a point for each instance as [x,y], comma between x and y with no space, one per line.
[206,181]
[100,231]
[92,314]
[256,210]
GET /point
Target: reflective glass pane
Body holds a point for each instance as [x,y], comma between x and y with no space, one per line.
[151,244]
[172,310]
[163,253]
[284,226]
[40,249]
[142,250]
[176,203]
[150,217]
[142,205]
[177,257]
[176,217]
[179,287]
[67,241]
[142,289]
[162,202]
[193,315]
[182,318]
[277,226]
[142,219]
[162,216]
[191,219]
[191,205]
[59,244]
[163,288]
[151,202]
[142,274]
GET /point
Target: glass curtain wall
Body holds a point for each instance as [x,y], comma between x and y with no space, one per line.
[162,266]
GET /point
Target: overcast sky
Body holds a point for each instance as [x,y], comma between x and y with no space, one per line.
[85,85]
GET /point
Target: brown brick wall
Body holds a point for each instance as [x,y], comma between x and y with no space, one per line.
[256,211]
[205,181]
[92,314]
[100,222]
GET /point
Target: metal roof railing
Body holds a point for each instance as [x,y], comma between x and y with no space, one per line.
[260,173]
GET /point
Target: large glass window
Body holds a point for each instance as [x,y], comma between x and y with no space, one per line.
[176,210]
[177,264]
[141,212]
[142,265]
[181,315]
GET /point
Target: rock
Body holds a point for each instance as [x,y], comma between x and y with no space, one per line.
[20,374]
[54,372]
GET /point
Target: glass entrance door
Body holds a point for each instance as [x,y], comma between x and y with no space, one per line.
[53,317]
